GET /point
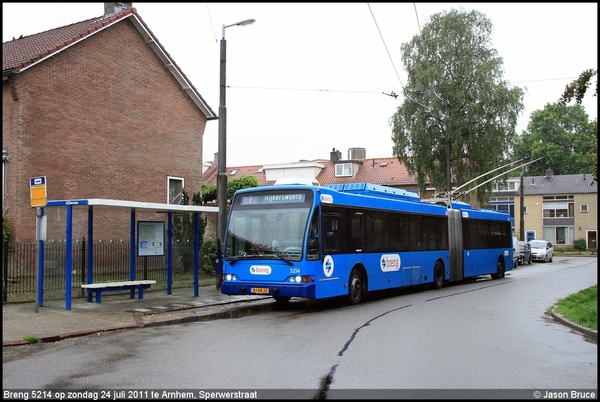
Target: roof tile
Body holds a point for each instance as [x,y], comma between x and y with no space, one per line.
[20,53]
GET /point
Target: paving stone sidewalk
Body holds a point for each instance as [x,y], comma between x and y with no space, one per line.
[23,323]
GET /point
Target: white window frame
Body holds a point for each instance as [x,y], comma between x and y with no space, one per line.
[343,170]
[175,198]
[510,185]
[583,208]
[564,208]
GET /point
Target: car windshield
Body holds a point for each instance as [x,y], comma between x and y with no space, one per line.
[537,244]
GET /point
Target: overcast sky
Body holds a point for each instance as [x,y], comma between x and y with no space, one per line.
[309,77]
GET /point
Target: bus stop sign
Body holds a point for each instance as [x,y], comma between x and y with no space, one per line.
[39,194]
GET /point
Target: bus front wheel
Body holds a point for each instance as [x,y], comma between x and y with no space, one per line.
[357,287]
[499,269]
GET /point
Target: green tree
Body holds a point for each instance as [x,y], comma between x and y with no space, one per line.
[240,183]
[209,193]
[576,90]
[459,117]
[559,137]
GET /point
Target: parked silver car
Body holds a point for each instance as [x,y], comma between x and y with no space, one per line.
[542,250]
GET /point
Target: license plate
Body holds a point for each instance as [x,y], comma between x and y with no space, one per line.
[261,291]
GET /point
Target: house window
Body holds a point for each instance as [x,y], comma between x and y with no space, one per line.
[343,170]
[174,190]
[503,208]
[559,235]
[558,210]
[508,186]
[504,204]
[583,208]
[558,197]
[559,206]
[524,210]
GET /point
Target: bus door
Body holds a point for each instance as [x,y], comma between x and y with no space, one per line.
[334,273]
[474,243]
[382,258]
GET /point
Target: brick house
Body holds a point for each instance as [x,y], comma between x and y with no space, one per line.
[101,110]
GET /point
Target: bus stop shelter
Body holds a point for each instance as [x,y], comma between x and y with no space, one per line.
[94,205]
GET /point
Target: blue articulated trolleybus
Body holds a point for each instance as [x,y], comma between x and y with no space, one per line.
[350,239]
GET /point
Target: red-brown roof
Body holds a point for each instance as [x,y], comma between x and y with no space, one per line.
[235,172]
[25,52]
[21,53]
[381,171]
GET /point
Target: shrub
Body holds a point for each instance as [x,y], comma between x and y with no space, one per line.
[6,232]
[209,248]
[579,244]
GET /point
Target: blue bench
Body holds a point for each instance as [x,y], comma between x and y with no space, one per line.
[132,286]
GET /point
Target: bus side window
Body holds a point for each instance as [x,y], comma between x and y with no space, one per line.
[332,241]
[331,229]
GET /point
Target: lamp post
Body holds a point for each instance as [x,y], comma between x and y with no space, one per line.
[222,146]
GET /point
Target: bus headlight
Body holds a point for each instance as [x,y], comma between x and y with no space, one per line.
[230,277]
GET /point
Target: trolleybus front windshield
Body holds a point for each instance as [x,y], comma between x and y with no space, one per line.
[268,224]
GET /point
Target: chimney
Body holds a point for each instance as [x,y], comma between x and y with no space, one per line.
[549,173]
[114,8]
[335,156]
[357,153]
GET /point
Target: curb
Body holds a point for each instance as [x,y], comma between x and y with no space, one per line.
[588,333]
[138,316]
[47,338]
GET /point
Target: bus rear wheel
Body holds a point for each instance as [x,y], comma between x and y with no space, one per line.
[357,287]
[438,275]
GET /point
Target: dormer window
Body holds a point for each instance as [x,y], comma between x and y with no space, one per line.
[344,170]
[507,186]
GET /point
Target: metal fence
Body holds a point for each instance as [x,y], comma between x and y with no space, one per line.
[110,264]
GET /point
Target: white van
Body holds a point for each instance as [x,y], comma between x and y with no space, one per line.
[516,252]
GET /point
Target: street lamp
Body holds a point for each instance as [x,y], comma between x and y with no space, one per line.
[222,146]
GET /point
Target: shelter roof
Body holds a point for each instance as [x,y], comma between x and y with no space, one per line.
[138,206]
